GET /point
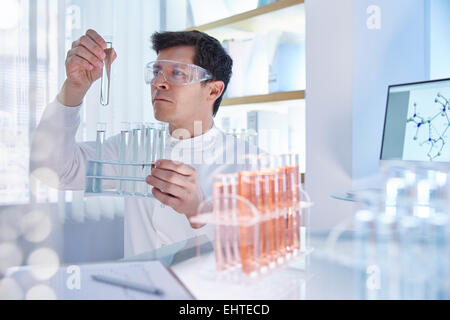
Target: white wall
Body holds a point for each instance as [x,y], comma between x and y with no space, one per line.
[348,70]
[439,39]
[328,107]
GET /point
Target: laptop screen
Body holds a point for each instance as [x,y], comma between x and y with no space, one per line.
[417,122]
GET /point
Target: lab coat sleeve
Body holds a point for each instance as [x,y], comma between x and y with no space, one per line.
[56,158]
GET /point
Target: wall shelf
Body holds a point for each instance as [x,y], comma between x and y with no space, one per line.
[263,98]
[257,19]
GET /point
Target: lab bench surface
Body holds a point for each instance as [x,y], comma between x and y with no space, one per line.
[318,275]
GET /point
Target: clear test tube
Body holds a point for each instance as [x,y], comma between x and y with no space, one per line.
[161,141]
[100,140]
[143,169]
[244,134]
[123,151]
[149,143]
[106,72]
[248,188]
[252,137]
[135,150]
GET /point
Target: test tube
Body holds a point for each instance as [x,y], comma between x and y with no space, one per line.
[161,142]
[100,140]
[123,151]
[149,144]
[135,148]
[248,188]
[106,72]
[267,210]
[280,170]
[293,190]
[143,169]
[225,216]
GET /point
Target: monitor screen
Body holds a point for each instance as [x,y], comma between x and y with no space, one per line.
[417,122]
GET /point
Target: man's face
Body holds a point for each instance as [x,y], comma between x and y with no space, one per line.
[179,104]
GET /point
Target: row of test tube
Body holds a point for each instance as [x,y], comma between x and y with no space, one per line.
[248,135]
[141,145]
[257,214]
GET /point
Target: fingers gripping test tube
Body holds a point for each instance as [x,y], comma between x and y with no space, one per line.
[106,73]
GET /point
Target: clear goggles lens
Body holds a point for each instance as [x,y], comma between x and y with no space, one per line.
[174,72]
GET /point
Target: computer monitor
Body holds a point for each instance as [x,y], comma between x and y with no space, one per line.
[417,122]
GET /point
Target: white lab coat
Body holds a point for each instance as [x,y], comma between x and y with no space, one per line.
[147,224]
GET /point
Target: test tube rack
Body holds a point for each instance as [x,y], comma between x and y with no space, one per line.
[252,243]
[125,185]
[140,148]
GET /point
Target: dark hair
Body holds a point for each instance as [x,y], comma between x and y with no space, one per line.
[209,54]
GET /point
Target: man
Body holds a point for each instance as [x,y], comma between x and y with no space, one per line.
[187,83]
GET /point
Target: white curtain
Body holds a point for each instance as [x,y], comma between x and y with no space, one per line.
[29,66]
[35,36]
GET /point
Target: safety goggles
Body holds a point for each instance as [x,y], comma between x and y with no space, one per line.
[175,73]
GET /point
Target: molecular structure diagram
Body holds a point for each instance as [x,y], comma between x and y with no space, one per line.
[434,138]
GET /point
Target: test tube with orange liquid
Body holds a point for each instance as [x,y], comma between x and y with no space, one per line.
[280,196]
[248,188]
[268,239]
[226,220]
[293,179]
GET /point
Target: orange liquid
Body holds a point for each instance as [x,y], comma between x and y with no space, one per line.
[282,214]
[294,218]
[269,196]
[226,236]
[247,234]
[264,231]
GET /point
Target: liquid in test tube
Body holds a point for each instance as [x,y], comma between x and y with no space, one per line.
[135,148]
[106,73]
[248,188]
[248,243]
[262,206]
[291,182]
[100,140]
[123,151]
[225,216]
[267,174]
[293,173]
[161,143]
[148,152]
[281,207]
